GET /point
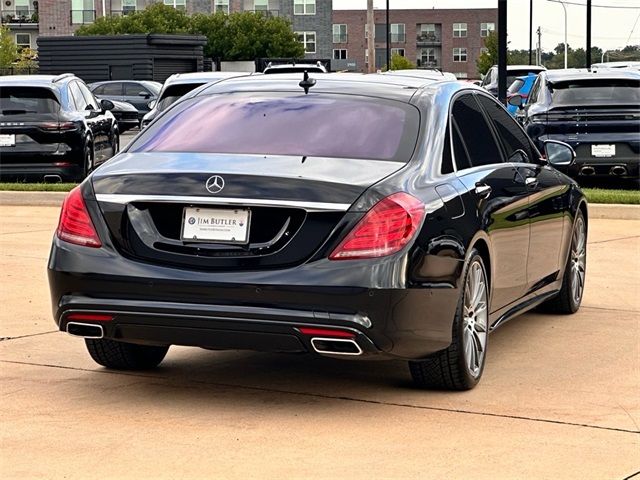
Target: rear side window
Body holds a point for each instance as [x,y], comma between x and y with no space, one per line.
[112,89]
[340,126]
[475,134]
[134,89]
[24,100]
[174,92]
[512,136]
[596,92]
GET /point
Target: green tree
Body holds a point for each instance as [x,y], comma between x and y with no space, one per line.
[8,49]
[156,18]
[399,62]
[489,57]
[238,36]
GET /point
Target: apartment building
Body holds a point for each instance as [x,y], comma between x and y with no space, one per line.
[447,39]
[310,19]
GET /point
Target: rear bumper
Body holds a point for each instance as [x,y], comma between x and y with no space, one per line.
[37,171]
[248,309]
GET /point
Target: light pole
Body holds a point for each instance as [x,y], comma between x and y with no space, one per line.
[565,29]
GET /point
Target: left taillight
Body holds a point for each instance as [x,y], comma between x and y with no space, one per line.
[385,229]
[75,224]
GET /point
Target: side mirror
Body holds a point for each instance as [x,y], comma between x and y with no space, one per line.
[152,104]
[516,100]
[107,104]
[559,153]
[144,95]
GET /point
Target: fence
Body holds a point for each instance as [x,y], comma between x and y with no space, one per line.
[18,70]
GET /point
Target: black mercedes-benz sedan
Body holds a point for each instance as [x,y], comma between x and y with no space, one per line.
[596,112]
[347,216]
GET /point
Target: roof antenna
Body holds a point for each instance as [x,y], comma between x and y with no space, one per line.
[307,82]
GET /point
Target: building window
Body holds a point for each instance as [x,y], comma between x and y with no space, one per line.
[461,75]
[258,5]
[339,33]
[177,4]
[397,33]
[427,32]
[221,6]
[486,28]
[129,6]
[304,7]
[397,51]
[23,40]
[459,30]
[459,54]
[308,39]
[340,54]
[22,8]
[427,57]
[82,11]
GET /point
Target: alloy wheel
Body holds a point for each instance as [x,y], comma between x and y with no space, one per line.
[475,319]
[578,260]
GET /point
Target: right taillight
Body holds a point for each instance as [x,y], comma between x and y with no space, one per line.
[75,224]
[385,229]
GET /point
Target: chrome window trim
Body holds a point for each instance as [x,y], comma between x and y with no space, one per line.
[123,199]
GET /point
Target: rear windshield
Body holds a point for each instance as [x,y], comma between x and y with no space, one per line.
[596,92]
[286,124]
[22,100]
[173,93]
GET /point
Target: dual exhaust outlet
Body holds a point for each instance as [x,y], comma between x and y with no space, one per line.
[616,171]
[321,345]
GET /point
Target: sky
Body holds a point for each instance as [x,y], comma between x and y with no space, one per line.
[611,27]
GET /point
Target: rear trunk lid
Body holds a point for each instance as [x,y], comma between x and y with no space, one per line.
[291,204]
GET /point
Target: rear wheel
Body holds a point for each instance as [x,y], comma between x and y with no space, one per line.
[125,356]
[570,296]
[87,161]
[460,366]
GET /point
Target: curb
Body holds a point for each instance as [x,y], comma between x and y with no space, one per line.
[54,199]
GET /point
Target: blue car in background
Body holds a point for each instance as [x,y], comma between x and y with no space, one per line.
[521,86]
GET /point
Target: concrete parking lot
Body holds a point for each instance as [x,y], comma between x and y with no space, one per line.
[560,397]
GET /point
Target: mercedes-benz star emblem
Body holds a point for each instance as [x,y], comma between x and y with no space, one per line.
[215,184]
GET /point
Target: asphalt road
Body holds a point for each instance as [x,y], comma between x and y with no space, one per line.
[560,397]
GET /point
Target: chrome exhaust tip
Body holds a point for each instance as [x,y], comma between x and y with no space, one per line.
[587,170]
[52,179]
[618,170]
[335,346]
[85,330]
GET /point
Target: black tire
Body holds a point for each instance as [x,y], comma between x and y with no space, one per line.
[448,369]
[125,356]
[87,162]
[115,143]
[566,302]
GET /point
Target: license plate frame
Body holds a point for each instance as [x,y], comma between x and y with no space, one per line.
[603,150]
[7,140]
[222,232]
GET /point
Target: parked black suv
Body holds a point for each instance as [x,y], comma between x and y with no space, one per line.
[597,113]
[52,128]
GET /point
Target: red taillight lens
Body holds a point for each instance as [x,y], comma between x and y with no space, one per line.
[75,224]
[57,126]
[384,230]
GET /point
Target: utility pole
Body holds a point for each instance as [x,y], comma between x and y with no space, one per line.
[502,51]
[388,39]
[530,29]
[371,26]
[588,52]
[539,52]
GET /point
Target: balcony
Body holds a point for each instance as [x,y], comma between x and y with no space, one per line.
[428,63]
[20,16]
[268,13]
[398,38]
[339,38]
[80,17]
[428,38]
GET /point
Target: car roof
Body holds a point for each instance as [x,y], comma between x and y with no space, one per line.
[532,68]
[201,77]
[394,87]
[584,74]
[36,80]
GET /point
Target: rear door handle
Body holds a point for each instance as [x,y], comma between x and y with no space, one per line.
[483,190]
